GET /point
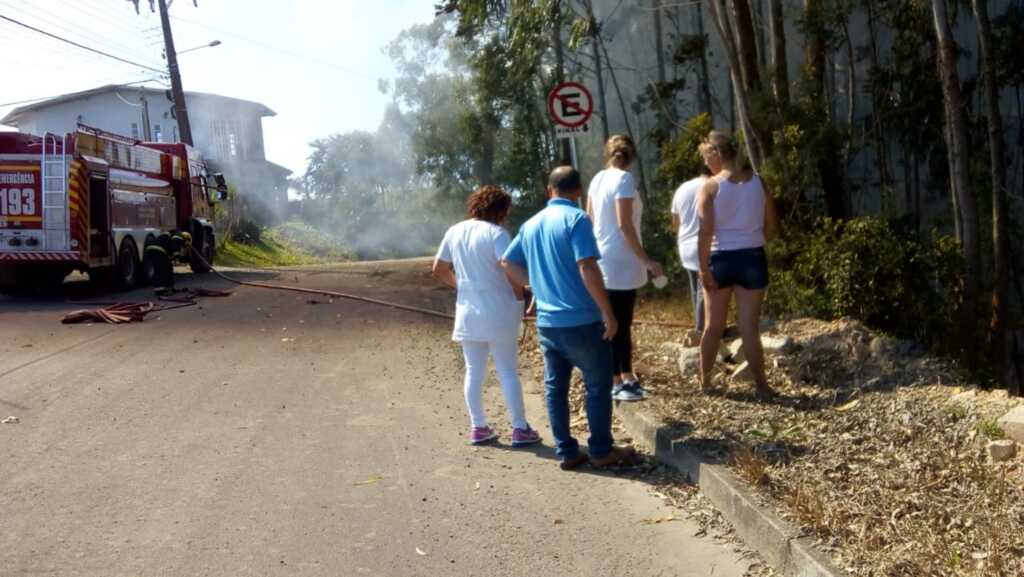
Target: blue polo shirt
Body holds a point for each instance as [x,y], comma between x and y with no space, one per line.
[550,245]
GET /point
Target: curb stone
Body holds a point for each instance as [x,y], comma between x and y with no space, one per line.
[759,527]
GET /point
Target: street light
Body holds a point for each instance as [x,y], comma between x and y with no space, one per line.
[210,45]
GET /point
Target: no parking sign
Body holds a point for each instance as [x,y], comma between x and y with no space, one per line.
[570,106]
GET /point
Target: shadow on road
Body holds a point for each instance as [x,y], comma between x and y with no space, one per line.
[78,291]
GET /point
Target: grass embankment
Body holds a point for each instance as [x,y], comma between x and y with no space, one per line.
[270,251]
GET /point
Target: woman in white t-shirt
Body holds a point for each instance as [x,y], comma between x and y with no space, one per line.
[488,310]
[686,223]
[616,210]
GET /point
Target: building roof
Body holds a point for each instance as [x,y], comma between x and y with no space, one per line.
[13,116]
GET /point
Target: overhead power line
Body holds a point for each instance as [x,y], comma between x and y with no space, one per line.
[31,100]
[278,49]
[82,46]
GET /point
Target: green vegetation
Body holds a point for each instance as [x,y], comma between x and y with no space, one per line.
[884,204]
[269,251]
[989,429]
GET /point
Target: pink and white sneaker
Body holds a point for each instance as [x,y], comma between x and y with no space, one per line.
[481,435]
[523,437]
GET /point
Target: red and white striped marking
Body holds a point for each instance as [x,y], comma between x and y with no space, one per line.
[64,256]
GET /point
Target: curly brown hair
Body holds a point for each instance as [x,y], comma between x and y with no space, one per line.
[490,203]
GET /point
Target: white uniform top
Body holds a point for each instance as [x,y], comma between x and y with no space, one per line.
[486,309]
[621,267]
[684,206]
[739,215]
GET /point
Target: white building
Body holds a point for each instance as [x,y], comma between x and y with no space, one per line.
[228,131]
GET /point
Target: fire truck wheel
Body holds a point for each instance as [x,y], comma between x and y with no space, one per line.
[157,269]
[127,265]
[207,249]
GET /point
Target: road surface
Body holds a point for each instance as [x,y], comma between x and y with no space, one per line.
[273,433]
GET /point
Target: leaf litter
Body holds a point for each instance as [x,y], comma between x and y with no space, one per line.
[872,449]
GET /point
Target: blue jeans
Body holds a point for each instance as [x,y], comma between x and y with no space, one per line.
[582,347]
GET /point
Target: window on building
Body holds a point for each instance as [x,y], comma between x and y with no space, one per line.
[157,136]
[233,144]
[135,131]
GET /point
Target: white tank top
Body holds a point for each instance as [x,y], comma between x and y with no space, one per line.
[739,215]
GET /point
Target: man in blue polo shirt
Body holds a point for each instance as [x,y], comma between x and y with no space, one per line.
[556,254]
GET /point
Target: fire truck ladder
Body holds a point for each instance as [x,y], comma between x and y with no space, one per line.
[55,192]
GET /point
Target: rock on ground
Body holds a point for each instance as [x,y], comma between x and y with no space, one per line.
[1012,424]
[1002,450]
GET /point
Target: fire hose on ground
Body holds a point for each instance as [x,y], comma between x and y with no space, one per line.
[379,302]
[117,313]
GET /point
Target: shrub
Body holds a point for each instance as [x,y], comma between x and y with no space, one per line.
[868,269]
[247,232]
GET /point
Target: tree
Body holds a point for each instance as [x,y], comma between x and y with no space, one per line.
[1000,232]
[958,154]
[780,78]
[720,15]
[746,43]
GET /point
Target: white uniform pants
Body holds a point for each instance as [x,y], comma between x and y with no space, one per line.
[505,354]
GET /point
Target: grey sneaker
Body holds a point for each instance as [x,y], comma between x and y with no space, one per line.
[637,387]
[627,392]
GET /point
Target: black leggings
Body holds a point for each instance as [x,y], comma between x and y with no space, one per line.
[623,303]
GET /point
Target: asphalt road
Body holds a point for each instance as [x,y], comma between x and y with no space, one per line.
[275,433]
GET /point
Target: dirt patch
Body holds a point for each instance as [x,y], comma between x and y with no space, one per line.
[872,447]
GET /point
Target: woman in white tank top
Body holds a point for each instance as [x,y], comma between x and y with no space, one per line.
[737,217]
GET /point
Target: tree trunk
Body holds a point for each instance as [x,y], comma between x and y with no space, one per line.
[746,42]
[780,78]
[595,38]
[851,115]
[705,76]
[1000,232]
[957,151]
[667,107]
[830,165]
[877,126]
[565,156]
[814,52]
[659,46]
[754,144]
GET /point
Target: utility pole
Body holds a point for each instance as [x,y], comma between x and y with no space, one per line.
[180,111]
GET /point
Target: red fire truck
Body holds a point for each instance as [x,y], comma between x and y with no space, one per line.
[121,210]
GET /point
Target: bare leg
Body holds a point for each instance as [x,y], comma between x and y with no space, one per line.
[716,308]
[748,318]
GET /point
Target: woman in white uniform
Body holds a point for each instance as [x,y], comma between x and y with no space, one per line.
[488,310]
[616,210]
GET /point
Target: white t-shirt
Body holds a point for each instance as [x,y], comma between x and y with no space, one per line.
[621,267]
[486,309]
[684,205]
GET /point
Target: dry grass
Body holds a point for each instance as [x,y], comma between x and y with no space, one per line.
[873,449]
[750,466]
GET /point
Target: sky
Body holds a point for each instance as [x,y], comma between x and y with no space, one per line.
[316,63]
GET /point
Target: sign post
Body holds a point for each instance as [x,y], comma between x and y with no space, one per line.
[570,106]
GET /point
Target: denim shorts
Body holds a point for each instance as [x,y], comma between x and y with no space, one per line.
[746,268]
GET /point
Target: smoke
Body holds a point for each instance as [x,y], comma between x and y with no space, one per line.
[363,190]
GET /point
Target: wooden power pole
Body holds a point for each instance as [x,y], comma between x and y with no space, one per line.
[177,92]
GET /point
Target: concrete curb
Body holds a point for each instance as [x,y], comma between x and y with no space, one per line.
[759,527]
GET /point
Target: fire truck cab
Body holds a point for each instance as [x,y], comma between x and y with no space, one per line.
[120,210]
